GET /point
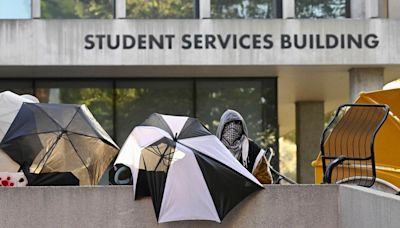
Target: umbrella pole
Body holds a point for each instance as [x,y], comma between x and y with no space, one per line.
[48,153]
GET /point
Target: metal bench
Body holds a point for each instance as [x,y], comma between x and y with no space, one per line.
[347,144]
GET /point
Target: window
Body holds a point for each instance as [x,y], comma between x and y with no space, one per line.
[77,9]
[137,99]
[120,105]
[15,9]
[17,86]
[322,8]
[160,9]
[96,95]
[254,99]
[260,9]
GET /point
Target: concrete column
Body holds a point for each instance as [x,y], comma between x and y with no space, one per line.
[394,9]
[36,14]
[364,80]
[120,9]
[361,9]
[357,9]
[309,126]
[372,9]
[288,9]
[204,9]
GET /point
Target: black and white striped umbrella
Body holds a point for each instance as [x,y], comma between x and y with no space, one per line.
[188,172]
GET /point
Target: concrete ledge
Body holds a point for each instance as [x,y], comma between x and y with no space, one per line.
[364,207]
[275,206]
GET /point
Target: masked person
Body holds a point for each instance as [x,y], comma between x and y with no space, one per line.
[233,133]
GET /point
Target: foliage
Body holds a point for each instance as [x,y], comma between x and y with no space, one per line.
[287,157]
[98,100]
[320,8]
[77,9]
[242,9]
[135,104]
[147,9]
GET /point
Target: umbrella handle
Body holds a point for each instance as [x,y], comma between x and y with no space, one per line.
[117,173]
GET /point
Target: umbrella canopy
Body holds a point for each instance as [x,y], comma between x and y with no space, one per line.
[10,103]
[51,138]
[187,171]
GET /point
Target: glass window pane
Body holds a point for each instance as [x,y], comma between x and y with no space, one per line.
[136,100]
[255,100]
[321,8]
[242,9]
[77,9]
[96,95]
[153,9]
[17,86]
[15,9]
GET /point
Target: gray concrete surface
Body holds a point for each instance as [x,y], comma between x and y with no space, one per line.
[363,207]
[275,206]
[393,9]
[309,125]
[62,42]
[364,80]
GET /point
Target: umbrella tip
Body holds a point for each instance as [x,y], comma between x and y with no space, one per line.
[176,137]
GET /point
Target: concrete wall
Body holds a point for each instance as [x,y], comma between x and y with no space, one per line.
[275,206]
[364,207]
[62,42]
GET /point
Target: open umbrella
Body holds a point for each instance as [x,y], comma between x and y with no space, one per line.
[187,171]
[59,138]
[10,103]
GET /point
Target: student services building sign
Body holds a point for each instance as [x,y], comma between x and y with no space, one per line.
[230,41]
[199,42]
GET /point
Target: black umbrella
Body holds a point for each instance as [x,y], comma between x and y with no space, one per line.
[54,138]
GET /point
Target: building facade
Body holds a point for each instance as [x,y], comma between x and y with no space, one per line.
[283,64]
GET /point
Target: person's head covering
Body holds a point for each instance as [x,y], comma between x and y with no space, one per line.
[232,131]
[229,116]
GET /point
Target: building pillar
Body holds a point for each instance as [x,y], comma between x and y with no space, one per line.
[120,9]
[309,127]
[393,7]
[357,9]
[288,9]
[204,9]
[36,13]
[364,80]
[361,9]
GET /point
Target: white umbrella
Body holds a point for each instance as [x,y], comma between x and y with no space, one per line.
[10,103]
[188,172]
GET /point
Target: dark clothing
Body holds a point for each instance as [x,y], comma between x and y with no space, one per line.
[254,150]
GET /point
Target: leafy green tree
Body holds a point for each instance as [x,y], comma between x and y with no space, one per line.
[242,9]
[136,101]
[98,100]
[77,9]
[148,9]
[320,8]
